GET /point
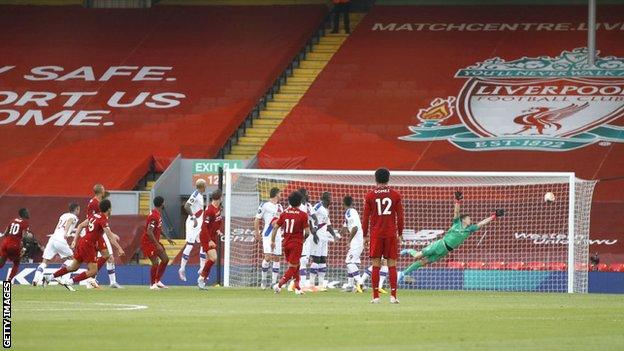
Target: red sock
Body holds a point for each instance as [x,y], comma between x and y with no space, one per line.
[14,270]
[375,282]
[161,270]
[297,279]
[206,271]
[290,273]
[100,262]
[153,273]
[392,272]
[60,272]
[80,277]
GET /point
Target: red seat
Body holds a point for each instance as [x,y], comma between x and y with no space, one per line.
[455,265]
[581,266]
[475,265]
[603,267]
[616,267]
[556,266]
[497,265]
[536,266]
[517,266]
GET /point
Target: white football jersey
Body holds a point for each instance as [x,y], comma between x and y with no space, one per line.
[266,212]
[322,215]
[196,200]
[59,231]
[352,220]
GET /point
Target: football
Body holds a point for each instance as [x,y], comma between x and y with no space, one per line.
[549,197]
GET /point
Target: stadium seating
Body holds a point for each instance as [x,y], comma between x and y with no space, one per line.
[218,61]
[617,267]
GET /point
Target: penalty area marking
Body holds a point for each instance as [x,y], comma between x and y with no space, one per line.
[42,306]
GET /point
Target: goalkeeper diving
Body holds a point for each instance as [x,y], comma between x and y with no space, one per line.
[459,231]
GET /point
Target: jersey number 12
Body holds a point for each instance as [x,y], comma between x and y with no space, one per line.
[386,203]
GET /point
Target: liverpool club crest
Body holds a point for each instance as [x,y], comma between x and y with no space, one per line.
[544,103]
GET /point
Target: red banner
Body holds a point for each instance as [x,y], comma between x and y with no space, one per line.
[501,88]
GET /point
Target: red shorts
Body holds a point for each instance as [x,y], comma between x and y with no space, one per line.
[150,249]
[10,251]
[86,251]
[384,246]
[100,244]
[204,241]
[292,251]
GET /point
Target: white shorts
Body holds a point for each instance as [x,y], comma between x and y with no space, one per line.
[109,247]
[319,249]
[307,247]
[192,234]
[353,256]
[57,247]
[266,244]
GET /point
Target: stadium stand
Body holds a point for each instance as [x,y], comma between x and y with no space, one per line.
[396,73]
[209,65]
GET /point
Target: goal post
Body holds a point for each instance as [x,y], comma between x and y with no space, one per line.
[536,246]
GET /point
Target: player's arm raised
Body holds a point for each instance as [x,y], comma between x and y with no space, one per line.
[114,239]
[497,213]
[458,198]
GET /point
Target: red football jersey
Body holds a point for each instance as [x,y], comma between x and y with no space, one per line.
[212,222]
[384,209]
[153,221]
[95,230]
[93,207]
[293,221]
[15,231]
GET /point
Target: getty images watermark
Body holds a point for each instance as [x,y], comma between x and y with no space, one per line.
[6,314]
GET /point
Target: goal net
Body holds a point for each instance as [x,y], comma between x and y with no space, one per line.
[526,250]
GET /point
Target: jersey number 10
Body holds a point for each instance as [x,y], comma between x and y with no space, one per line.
[14,230]
[386,203]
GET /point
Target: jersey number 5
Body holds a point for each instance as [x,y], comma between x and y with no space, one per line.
[290,225]
[386,203]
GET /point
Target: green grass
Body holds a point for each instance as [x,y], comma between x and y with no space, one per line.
[243,319]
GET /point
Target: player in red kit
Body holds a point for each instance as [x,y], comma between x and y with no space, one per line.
[86,249]
[209,235]
[295,228]
[384,210]
[11,247]
[151,246]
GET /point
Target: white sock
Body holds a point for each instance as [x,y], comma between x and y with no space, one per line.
[383,273]
[202,259]
[352,274]
[322,269]
[366,274]
[313,272]
[110,267]
[39,273]
[265,270]
[185,256]
[275,272]
[303,272]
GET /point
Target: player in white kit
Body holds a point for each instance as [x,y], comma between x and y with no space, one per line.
[268,212]
[194,207]
[353,229]
[57,244]
[324,233]
[307,244]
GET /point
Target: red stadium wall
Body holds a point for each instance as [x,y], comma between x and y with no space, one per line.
[402,69]
[180,80]
[45,211]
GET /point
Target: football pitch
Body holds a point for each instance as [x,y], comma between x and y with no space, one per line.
[243,319]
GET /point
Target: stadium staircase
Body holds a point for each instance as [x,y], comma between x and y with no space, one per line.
[247,143]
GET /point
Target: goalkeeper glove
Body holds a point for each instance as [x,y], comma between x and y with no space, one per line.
[498,213]
[458,196]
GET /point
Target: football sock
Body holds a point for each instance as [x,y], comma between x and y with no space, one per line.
[14,270]
[275,272]
[206,270]
[153,273]
[392,274]
[303,271]
[60,272]
[352,274]
[322,269]
[100,262]
[161,270]
[265,270]
[110,268]
[80,277]
[414,266]
[383,274]
[202,258]
[313,273]
[297,279]
[39,272]
[375,282]
[185,255]
[290,273]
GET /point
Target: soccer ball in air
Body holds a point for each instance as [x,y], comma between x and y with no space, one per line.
[549,197]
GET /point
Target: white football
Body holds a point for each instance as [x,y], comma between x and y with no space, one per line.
[549,197]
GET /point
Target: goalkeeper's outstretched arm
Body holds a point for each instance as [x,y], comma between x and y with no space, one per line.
[458,197]
[497,213]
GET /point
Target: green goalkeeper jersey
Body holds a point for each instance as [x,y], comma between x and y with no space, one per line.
[457,233]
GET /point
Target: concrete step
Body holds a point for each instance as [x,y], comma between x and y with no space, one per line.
[294,89]
[306,72]
[280,105]
[261,122]
[252,140]
[239,156]
[280,114]
[245,149]
[287,97]
[260,132]
[306,80]
[318,56]
[312,64]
